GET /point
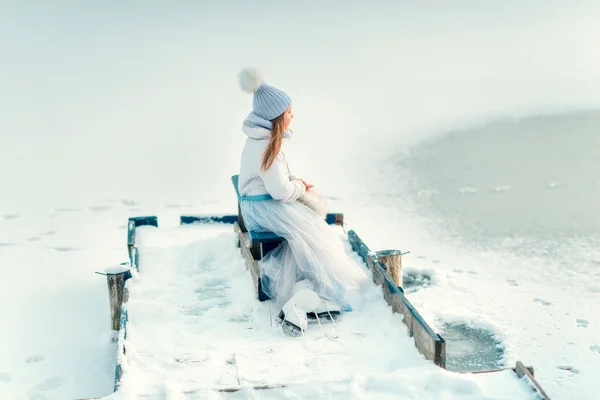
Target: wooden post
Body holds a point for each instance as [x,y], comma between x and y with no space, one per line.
[392,259]
[116,277]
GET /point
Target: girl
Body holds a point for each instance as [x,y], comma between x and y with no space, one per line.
[310,271]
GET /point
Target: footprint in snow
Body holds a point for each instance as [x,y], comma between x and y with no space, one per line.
[49,384]
[10,216]
[34,239]
[542,302]
[130,203]
[582,323]
[458,271]
[64,249]
[5,377]
[7,244]
[36,358]
[595,348]
[66,210]
[569,368]
[99,208]
[472,272]
[512,282]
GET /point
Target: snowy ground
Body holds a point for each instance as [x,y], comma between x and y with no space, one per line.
[110,110]
[194,325]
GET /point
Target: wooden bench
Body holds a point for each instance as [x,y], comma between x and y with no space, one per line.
[256,244]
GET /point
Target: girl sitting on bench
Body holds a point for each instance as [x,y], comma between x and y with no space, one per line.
[309,272]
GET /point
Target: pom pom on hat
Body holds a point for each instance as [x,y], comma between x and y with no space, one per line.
[250,80]
[268,102]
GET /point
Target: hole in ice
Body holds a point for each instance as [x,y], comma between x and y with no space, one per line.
[471,349]
[582,323]
[413,281]
[36,358]
[542,302]
[64,249]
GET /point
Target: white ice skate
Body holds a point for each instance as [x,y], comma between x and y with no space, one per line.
[327,310]
[293,312]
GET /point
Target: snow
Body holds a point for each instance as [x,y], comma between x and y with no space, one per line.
[195,328]
[109,112]
[117,269]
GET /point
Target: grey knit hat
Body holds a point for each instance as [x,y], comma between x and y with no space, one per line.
[268,102]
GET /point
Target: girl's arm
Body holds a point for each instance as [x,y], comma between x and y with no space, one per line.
[278,184]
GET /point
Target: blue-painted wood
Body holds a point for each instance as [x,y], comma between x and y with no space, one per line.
[262,243]
[208,219]
[365,253]
[148,220]
[261,294]
[234,180]
[134,222]
[334,218]
[130,232]
[135,262]
[264,237]
[359,246]
[121,351]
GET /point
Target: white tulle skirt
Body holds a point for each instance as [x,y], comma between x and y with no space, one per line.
[312,250]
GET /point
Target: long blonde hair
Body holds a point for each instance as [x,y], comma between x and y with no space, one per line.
[275,142]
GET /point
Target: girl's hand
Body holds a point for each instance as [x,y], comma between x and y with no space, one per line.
[308,186]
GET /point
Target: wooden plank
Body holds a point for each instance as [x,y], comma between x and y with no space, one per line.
[429,343]
[522,371]
[265,237]
[134,258]
[147,220]
[489,371]
[251,263]
[241,219]
[130,232]
[134,222]
[334,218]
[207,219]
[234,181]
[121,351]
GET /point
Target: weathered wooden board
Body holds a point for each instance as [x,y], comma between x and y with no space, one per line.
[121,351]
[522,371]
[251,262]
[429,343]
[207,219]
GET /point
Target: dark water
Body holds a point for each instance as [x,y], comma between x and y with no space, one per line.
[532,177]
[471,349]
[530,185]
